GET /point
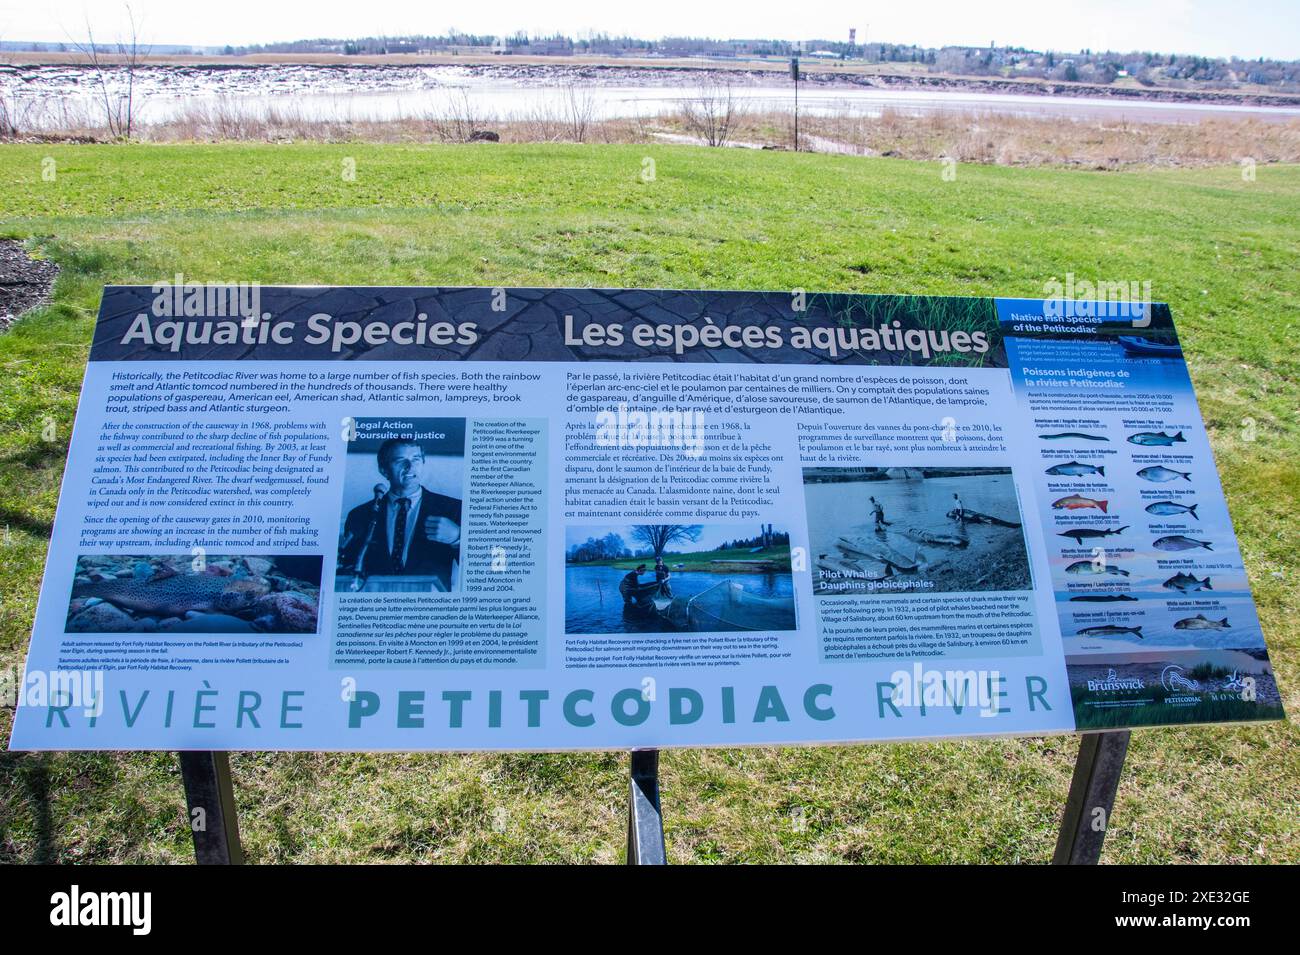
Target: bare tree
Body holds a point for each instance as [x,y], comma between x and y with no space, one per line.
[714,113]
[658,536]
[459,121]
[579,111]
[114,67]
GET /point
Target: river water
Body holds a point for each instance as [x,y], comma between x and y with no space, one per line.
[592,603]
[412,92]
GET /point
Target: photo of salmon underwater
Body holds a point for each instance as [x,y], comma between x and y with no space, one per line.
[195,594]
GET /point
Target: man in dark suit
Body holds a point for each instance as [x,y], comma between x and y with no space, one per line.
[408,531]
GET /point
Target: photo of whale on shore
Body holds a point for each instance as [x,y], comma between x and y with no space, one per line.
[914,529]
[195,593]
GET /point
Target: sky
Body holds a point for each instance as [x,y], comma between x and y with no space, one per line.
[1247,28]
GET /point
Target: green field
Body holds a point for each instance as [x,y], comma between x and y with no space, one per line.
[1223,252]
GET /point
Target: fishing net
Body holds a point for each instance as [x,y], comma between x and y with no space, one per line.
[729,606]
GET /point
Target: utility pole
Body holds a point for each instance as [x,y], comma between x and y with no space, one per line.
[794,72]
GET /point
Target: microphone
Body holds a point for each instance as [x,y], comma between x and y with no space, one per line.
[380,490]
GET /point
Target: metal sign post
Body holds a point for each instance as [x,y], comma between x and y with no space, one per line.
[645,824]
[1092,797]
[210,796]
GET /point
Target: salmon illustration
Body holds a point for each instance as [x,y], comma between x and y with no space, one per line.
[1075,501]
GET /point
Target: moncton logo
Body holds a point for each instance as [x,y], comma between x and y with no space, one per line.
[1113,683]
[74,908]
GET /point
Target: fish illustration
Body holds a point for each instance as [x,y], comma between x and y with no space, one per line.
[1102,598]
[1089,567]
[1156,439]
[1074,502]
[1110,630]
[1199,622]
[1072,434]
[1186,583]
[1179,542]
[1160,474]
[1166,508]
[1075,469]
[1079,533]
[175,596]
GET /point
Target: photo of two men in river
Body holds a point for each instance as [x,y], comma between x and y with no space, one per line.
[910,529]
[670,578]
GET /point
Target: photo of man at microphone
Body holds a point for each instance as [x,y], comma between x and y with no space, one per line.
[407,535]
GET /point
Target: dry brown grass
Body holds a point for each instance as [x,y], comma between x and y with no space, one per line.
[987,138]
[1054,141]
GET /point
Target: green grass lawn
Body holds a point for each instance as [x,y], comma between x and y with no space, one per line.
[1224,253]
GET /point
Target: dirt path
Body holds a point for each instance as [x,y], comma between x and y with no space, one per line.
[25,282]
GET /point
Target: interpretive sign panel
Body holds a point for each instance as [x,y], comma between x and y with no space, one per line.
[475,518]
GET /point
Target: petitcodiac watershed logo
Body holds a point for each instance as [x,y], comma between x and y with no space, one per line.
[75,908]
[1114,683]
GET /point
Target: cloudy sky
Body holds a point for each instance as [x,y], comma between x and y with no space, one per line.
[1209,27]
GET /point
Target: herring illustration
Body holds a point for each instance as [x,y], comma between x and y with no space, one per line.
[1076,469]
[1156,439]
[1074,502]
[1169,508]
[1091,533]
[1179,542]
[1160,474]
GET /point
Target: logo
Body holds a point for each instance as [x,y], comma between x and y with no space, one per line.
[74,907]
[1172,679]
[1114,683]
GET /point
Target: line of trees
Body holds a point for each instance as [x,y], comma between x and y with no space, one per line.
[1086,65]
